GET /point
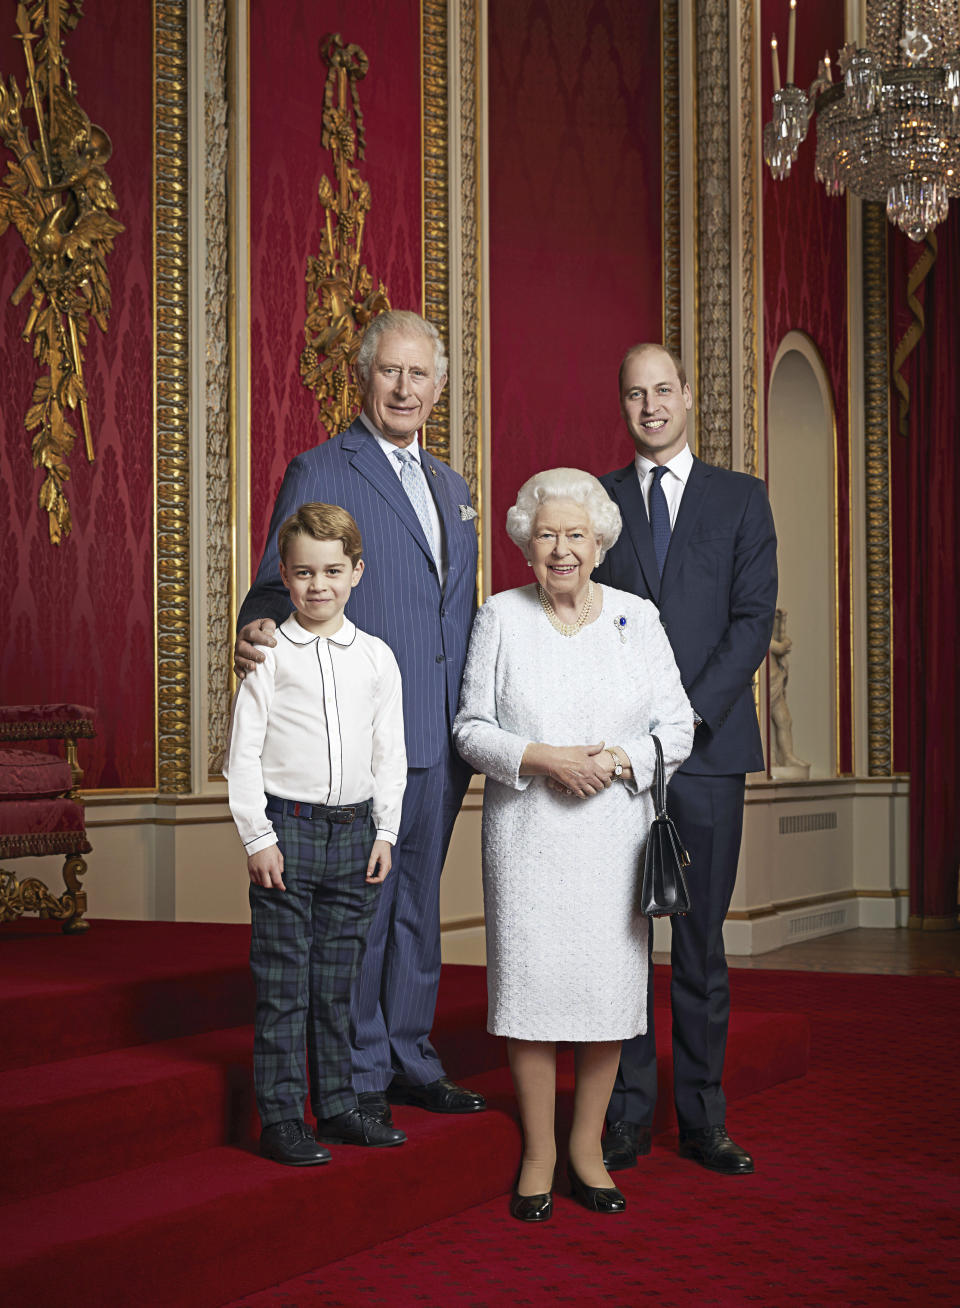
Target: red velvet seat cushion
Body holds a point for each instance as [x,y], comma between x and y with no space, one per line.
[45,721]
[25,774]
[41,826]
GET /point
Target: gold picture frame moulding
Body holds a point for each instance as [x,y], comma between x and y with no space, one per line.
[171,397]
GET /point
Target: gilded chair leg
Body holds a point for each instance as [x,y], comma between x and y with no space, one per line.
[74,868]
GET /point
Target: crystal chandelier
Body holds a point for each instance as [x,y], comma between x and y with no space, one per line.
[890,129]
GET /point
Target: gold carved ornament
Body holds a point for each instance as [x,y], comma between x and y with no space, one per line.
[340,295]
[56,193]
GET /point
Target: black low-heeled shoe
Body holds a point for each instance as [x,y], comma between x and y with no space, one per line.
[531,1207]
[599,1199]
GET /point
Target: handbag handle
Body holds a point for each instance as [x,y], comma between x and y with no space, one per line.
[659,781]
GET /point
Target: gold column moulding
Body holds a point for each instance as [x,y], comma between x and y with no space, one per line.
[57,194]
[340,295]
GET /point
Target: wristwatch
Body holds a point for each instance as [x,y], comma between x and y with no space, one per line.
[617,765]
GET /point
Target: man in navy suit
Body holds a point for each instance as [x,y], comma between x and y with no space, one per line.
[699,542]
[418,594]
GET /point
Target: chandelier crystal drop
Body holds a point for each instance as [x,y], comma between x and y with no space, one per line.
[889,131]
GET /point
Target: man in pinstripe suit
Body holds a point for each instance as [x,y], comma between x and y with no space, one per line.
[419,595]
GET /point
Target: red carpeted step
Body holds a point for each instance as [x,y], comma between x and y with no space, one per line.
[206,1228]
[130,983]
[132,1107]
[854,1200]
[122,983]
[86,1118]
[131,1198]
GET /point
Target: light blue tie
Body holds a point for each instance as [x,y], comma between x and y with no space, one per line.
[659,518]
[414,483]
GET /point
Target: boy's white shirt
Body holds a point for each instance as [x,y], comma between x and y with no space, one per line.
[321,721]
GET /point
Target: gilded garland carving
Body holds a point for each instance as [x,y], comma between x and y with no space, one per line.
[340,295]
[670,135]
[57,194]
[172,393]
[908,342]
[879,682]
[471,281]
[714,389]
[749,261]
[219,554]
[436,216]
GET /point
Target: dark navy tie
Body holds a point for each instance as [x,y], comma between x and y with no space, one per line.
[659,518]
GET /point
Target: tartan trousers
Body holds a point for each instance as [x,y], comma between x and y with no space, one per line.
[306,945]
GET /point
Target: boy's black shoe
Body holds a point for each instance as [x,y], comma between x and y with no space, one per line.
[357,1126]
[292,1143]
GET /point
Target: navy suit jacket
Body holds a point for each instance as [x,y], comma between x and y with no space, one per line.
[716,598]
[399,597]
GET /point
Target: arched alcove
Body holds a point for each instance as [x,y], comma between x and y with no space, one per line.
[801,463]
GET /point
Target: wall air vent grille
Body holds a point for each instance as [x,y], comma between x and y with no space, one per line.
[792,826]
[825,921]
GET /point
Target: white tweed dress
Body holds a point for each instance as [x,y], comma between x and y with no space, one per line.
[566,944]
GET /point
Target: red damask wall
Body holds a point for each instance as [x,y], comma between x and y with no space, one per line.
[575,245]
[805,279]
[77,619]
[287,76]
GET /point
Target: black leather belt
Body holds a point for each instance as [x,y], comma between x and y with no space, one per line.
[317,812]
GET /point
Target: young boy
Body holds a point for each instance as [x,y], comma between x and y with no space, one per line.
[316,770]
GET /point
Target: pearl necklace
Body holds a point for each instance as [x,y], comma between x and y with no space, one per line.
[566,628]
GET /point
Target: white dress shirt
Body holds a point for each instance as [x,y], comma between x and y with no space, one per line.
[678,470]
[390,450]
[320,721]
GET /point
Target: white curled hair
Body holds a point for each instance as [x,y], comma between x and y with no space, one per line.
[564,484]
[409,324]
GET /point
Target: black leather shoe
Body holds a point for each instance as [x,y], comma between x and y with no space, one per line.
[599,1199]
[292,1143]
[531,1207]
[374,1104]
[358,1127]
[712,1147]
[440,1096]
[623,1144]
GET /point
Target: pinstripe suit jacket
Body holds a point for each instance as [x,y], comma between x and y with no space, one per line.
[400,597]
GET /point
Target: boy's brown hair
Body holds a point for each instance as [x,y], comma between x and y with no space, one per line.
[322,522]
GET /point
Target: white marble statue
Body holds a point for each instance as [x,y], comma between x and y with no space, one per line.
[786,765]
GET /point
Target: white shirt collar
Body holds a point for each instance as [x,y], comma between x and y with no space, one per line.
[681,465]
[300,636]
[389,447]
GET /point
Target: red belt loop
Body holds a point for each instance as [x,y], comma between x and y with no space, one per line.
[296,810]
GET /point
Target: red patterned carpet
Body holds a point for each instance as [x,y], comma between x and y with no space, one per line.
[855,1199]
[128,1173]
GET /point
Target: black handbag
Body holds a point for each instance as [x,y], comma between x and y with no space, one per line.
[664,890]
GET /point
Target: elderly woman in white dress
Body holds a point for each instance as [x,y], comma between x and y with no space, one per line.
[565,684]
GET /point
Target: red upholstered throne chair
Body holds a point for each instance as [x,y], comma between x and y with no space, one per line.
[41,811]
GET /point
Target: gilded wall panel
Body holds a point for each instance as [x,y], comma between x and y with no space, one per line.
[470,271]
[172,394]
[670,204]
[749,239]
[219,480]
[713,371]
[876,400]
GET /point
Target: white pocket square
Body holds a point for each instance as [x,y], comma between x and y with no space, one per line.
[467,512]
